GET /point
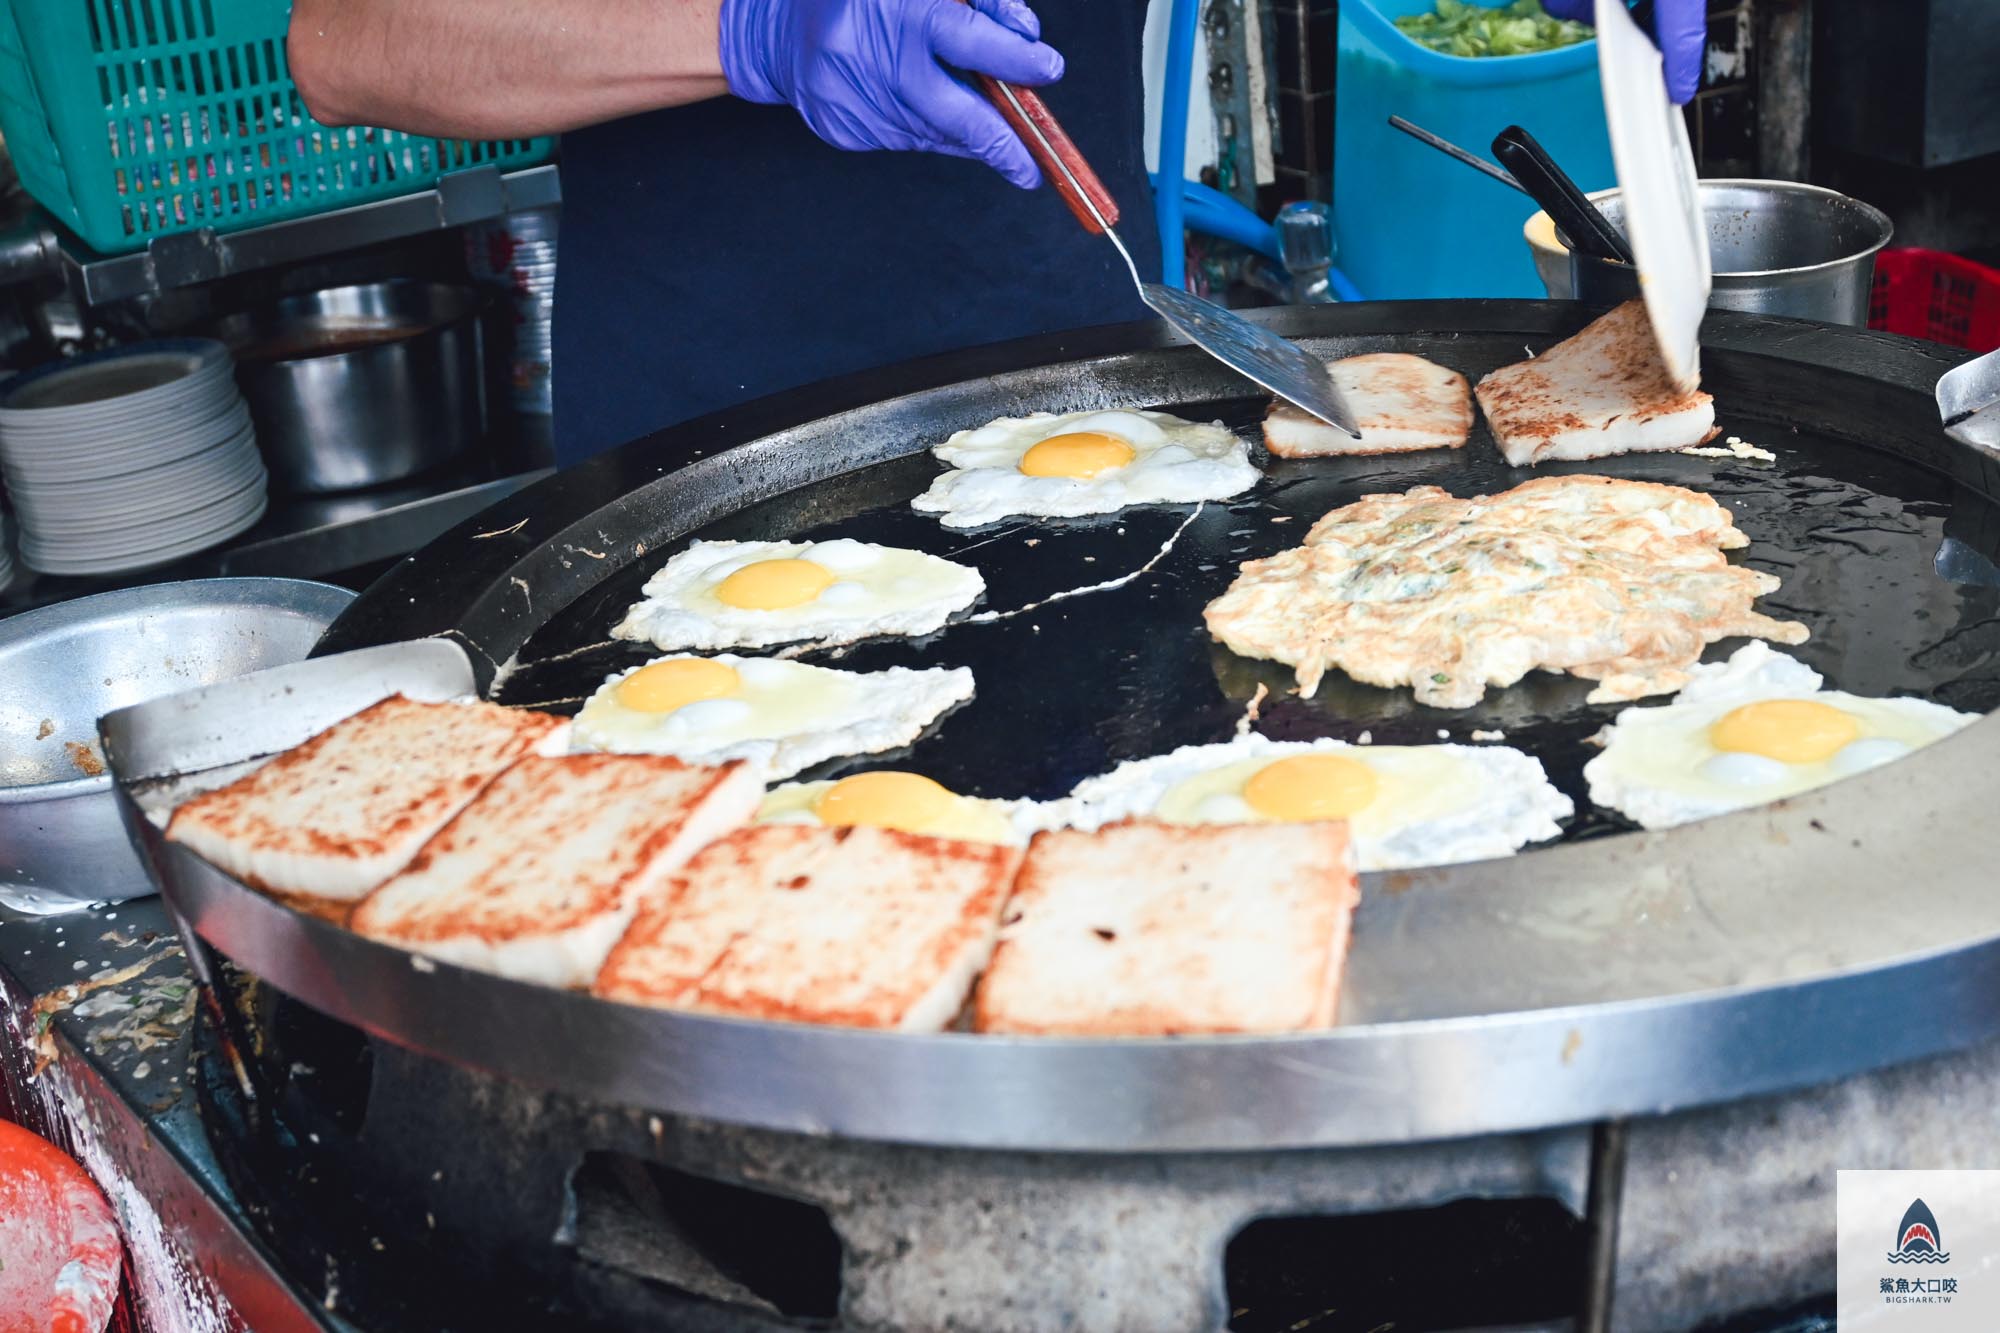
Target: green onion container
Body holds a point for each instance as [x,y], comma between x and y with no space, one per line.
[1413,223]
[131,120]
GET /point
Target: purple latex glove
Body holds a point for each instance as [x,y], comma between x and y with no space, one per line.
[1680,27]
[871,73]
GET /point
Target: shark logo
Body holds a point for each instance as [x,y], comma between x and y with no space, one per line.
[1917,1238]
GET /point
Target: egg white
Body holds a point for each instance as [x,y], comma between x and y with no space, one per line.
[788,716]
[1437,804]
[877,590]
[1660,769]
[971,818]
[1174,461]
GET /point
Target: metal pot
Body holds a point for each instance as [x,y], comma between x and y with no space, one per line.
[62,842]
[355,386]
[1778,248]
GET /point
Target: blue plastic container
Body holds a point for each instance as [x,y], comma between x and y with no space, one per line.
[1412,222]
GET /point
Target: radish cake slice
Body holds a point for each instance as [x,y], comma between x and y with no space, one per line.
[856,926]
[538,877]
[1604,391]
[1400,403]
[1149,929]
[322,824]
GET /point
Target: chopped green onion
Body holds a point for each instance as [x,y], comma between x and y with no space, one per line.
[1461,28]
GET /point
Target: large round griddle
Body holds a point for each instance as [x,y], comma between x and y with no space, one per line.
[1618,973]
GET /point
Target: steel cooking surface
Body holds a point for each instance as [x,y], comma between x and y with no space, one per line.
[1074,686]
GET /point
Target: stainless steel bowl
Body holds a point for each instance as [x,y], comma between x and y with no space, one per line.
[62,842]
[355,386]
[1777,248]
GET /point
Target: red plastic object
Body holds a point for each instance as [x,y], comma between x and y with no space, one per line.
[1939,296]
[59,1249]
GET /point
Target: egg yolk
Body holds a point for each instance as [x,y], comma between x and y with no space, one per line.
[665,686]
[1081,455]
[906,801]
[1311,786]
[773,585]
[1792,731]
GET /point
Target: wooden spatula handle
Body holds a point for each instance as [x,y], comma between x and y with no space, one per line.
[1053,150]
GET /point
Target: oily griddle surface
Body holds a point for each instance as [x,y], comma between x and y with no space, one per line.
[1075,686]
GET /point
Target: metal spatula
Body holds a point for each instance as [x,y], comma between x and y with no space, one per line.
[1258,353]
[1968,399]
[1656,177]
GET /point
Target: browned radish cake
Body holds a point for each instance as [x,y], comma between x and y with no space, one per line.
[538,877]
[1145,929]
[856,926]
[1604,391]
[1400,403]
[333,818]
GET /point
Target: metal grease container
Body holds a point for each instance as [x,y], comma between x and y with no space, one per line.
[356,386]
[1778,248]
[62,841]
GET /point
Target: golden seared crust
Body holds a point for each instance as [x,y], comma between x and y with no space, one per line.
[1603,391]
[1400,403]
[859,927]
[1148,929]
[538,875]
[347,809]
[1621,582]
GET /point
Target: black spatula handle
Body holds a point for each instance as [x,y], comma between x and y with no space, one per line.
[1586,228]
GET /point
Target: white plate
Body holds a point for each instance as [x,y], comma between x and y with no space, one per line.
[125,428]
[83,538]
[147,480]
[113,517]
[149,559]
[226,520]
[115,442]
[86,461]
[1657,181]
[62,443]
[139,378]
[194,388]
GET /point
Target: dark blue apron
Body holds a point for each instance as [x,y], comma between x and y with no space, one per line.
[714,253]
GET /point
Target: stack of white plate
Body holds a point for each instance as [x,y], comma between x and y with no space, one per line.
[129,458]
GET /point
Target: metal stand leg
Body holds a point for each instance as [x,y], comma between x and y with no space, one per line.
[1604,1197]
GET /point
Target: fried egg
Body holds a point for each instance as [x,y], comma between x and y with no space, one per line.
[1753,729]
[1055,466]
[887,798]
[783,716]
[754,594]
[1406,805]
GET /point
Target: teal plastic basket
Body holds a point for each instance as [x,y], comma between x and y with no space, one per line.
[136,119]
[1413,223]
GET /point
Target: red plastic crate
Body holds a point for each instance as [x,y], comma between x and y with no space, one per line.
[1939,296]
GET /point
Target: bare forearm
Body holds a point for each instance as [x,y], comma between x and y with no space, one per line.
[501,69]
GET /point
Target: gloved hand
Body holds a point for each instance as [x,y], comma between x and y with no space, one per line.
[867,73]
[1679,26]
